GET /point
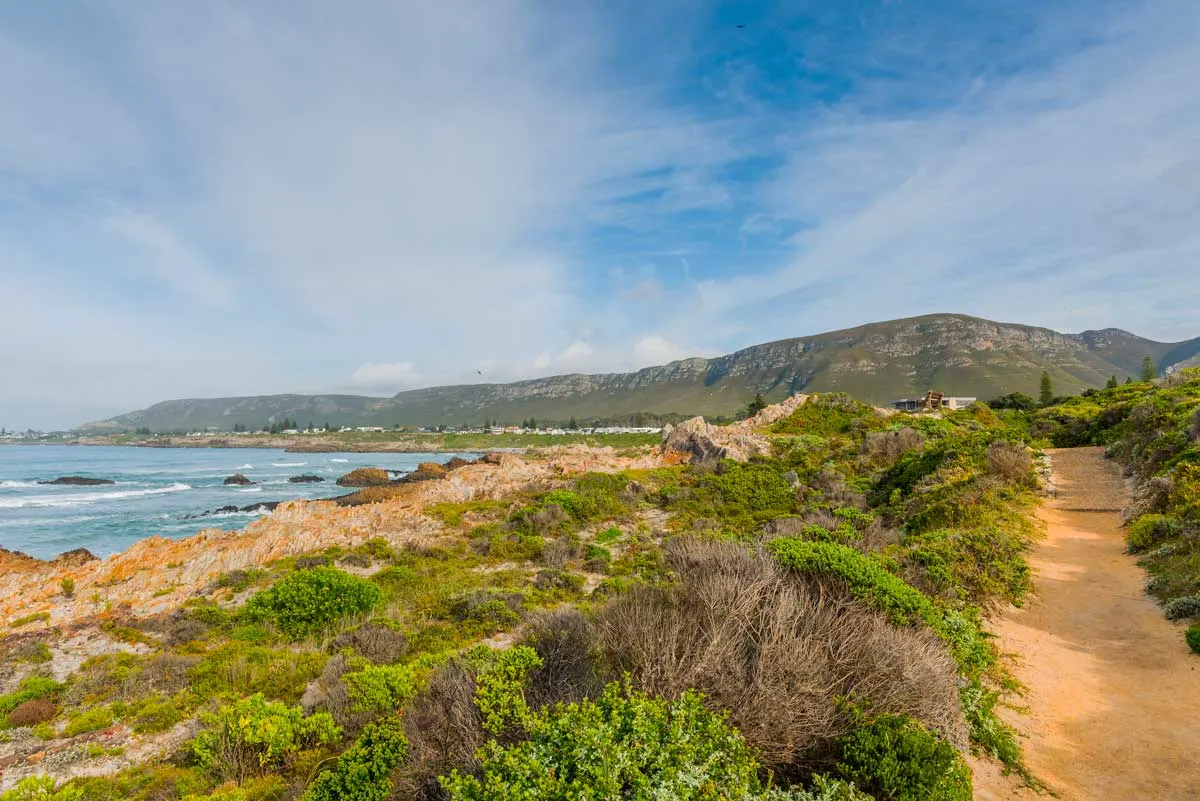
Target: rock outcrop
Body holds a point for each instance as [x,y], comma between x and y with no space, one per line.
[78,481]
[364,477]
[238,479]
[307,478]
[699,441]
[75,557]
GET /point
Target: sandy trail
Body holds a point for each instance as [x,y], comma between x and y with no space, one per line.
[1113,692]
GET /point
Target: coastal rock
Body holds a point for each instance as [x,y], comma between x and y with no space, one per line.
[427,471]
[238,479]
[490,458]
[307,478]
[261,506]
[364,477]
[75,557]
[457,462]
[701,442]
[79,481]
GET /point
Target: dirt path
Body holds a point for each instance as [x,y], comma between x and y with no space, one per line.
[1113,692]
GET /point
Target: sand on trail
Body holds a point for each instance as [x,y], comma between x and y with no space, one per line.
[1113,693]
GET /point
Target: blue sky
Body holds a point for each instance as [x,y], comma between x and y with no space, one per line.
[244,198]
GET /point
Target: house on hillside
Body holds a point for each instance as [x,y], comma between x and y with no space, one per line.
[932,401]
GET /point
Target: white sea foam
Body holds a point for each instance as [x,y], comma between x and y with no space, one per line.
[339,460]
[17,484]
[34,521]
[85,498]
[288,464]
[249,489]
[245,467]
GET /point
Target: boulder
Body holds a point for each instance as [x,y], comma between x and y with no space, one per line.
[701,442]
[239,479]
[490,458]
[426,471]
[364,477]
[79,481]
[457,462]
[307,478]
[75,557]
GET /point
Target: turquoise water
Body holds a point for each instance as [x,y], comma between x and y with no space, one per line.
[156,489]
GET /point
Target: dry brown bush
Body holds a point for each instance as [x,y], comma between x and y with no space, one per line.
[1149,496]
[31,713]
[885,447]
[777,651]
[106,678]
[559,553]
[1010,460]
[379,643]
[564,640]
[444,731]
[1194,427]
[833,487]
[182,628]
[875,537]
[547,521]
[329,694]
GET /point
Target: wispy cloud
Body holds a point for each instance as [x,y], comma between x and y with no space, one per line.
[235,198]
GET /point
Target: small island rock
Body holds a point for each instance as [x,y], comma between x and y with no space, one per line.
[238,478]
[79,481]
[307,478]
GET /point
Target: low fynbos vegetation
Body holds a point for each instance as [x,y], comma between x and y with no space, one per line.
[309,601]
[804,626]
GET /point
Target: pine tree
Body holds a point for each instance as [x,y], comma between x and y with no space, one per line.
[756,405]
[1112,382]
[573,426]
[1046,391]
[1128,380]
[1148,369]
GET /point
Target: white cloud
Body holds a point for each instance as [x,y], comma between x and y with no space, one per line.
[385,376]
[654,350]
[1065,196]
[542,362]
[577,353]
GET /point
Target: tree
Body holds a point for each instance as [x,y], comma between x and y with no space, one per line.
[1128,380]
[573,426]
[756,405]
[1149,371]
[1112,382]
[1014,400]
[1046,390]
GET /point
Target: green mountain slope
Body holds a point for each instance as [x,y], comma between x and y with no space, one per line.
[955,353]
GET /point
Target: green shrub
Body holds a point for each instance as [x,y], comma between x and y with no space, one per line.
[155,714]
[1149,530]
[254,736]
[94,719]
[894,758]
[239,669]
[30,689]
[867,578]
[1185,607]
[623,744]
[68,587]
[41,788]
[308,601]
[380,689]
[1192,636]
[596,558]
[363,772]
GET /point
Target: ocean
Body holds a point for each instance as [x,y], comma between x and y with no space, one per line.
[156,491]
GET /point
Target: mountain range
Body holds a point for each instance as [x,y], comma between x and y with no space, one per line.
[958,354]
